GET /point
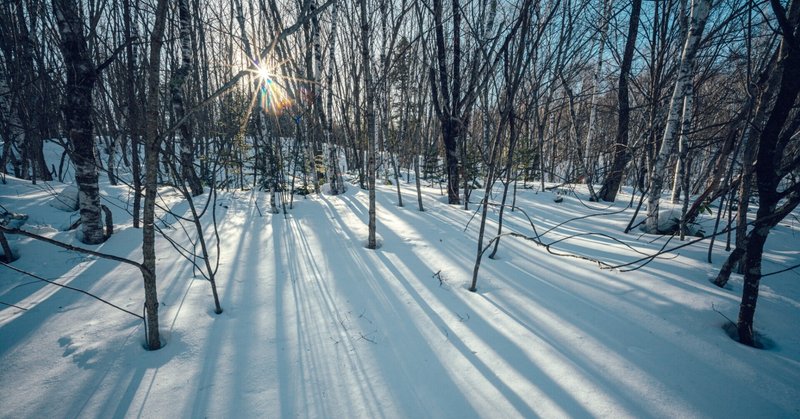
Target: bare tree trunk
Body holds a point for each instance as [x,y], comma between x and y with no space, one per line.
[745,190]
[132,121]
[335,178]
[591,133]
[370,116]
[186,141]
[685,177]
[81,76]
[424,131]
[111,163]
[319,167]
[445,111]
[772,143]
[682,173]
[513,135]
[269,169]
[515,65]
[485,204]
[581,160]
[14,133]
[683,144]
[749,153]
[417,182]
[8,254]
[152,149]
[613,180]
[700,10]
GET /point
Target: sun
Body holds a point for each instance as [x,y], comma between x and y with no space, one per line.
[273,97]
[265,74]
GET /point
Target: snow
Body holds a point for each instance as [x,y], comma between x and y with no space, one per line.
[315,325]
[66,200]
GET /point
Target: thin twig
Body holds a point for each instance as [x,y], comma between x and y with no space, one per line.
[69,288]
[782,270]
[722,314]
[15,306]
[73,248]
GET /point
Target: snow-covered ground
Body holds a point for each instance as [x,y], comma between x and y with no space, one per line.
[315,325]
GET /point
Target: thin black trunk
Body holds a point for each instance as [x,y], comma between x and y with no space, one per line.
[608,192]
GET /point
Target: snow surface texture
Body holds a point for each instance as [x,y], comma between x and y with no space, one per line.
[315,325]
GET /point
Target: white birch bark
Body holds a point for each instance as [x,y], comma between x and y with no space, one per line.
[334,175]
[316,46]
[271,169]
[81,76]
[184,134]
[700,10]
[683,144]
[551,123]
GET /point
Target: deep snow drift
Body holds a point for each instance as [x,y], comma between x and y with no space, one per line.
[315,325]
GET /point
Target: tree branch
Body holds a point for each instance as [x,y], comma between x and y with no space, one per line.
[783,22]
[139,266]
[69,288]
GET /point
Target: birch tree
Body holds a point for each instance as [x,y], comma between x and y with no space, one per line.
[591,131]
[337,185]
[699,15]
[186,141]
[81,76]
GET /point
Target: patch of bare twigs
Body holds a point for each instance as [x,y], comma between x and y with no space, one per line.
[623,267]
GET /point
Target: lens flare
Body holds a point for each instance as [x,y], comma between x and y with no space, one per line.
[273,96]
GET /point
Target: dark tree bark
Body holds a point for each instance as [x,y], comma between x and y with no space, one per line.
[26,68]
[81,76]
[608,192]
[768,167]
[9,122]
[447,109]
[515,65]
[132,110]
[370,116]
[152,149]
[8,255]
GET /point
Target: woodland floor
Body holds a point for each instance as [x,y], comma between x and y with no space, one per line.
[315,325]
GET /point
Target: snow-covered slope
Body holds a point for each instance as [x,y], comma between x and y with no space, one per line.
[315,325]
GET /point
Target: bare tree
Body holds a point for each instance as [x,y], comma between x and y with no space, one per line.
[683,85]
[515,64]
[449,108]
[188,174]
[81,76]
[776,200]
[621,156]
[369,87]
[591,131]
[152,150]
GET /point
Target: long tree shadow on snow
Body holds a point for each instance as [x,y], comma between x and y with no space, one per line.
[637,390]
[398,272]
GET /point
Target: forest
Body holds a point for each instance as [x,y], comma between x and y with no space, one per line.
[403,208]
